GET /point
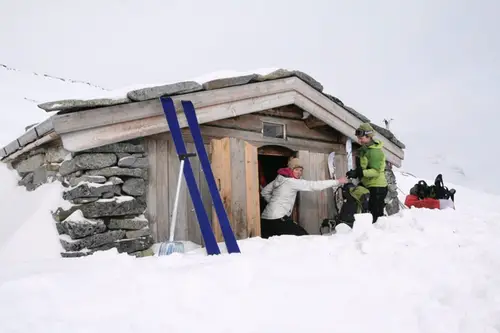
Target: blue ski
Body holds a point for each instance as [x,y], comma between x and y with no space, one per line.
[227,231]
[173,123]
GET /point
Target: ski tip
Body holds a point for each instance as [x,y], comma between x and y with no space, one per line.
[165,99]
[187,104]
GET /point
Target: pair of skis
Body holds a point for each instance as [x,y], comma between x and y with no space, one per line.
[203,220]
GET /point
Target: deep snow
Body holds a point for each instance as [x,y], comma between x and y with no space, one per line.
[420,271]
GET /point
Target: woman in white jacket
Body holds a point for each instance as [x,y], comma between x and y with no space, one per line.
[280,196]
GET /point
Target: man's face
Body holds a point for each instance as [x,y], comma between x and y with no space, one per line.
[297,172]
[363,140]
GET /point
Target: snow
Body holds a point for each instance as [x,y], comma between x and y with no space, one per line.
[90,184]
[121,198]
[27,230]
[22,91]
[418,271]
[77,217]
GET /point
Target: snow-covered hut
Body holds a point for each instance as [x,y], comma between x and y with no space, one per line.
[118,163]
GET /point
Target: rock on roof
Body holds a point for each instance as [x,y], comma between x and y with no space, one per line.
[143,93]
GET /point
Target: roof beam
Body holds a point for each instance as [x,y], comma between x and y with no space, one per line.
[313,122]
[98,136]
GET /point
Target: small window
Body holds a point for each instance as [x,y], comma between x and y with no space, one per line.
[273,130]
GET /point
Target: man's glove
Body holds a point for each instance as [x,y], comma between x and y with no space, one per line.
[351,174]
[356,173]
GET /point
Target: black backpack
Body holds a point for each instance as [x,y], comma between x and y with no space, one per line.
[435,191]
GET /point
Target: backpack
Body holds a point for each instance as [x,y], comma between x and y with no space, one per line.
[435,191]
[354,201]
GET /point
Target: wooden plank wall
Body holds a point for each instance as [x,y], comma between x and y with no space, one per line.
[162,182]
[234,163]
[252,190]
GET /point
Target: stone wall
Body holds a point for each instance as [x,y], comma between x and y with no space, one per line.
[106,188]
[391,200]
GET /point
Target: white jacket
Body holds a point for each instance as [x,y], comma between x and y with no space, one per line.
[280,194]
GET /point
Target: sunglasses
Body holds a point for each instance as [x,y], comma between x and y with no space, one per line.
[360,132]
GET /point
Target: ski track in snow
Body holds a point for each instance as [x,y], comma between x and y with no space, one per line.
[418,271]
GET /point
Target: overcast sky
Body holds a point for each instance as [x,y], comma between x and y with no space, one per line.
[433,66]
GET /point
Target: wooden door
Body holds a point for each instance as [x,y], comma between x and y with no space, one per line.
[234,164]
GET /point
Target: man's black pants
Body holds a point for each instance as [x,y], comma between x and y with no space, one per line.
[376,204]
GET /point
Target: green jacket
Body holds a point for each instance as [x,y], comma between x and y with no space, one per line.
[372,162]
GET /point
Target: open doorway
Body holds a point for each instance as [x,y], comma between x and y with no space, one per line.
[270,159]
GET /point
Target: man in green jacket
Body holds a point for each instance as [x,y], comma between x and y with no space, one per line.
[370,169]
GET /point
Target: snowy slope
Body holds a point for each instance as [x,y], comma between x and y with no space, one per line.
[21,91]
[422,271]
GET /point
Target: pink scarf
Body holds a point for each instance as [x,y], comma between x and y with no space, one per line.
[286,172]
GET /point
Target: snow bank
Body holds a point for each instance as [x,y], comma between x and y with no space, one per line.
[419,271]
[28,231]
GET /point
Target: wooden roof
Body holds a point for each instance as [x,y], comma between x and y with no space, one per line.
[84,124]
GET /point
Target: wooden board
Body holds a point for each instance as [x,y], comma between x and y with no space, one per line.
[285,111]
[238,188]
[45,126]
[151,197]
[205,194]
[120,131]
[193,231]
[308,200]
[181,226]
[252,191]
[77,121]
[12,147]
[253,123]
[234,163]
[210,132]
[341,164]
[27,137]
[331,209]
[319,163]
[221,167]
[162,187]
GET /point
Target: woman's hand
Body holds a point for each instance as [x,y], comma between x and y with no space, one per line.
[342,180]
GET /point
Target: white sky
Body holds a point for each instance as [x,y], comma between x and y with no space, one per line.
[433,66]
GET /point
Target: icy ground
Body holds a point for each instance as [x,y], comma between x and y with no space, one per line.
[422,271]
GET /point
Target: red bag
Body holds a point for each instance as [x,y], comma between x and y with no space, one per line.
[414,201]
